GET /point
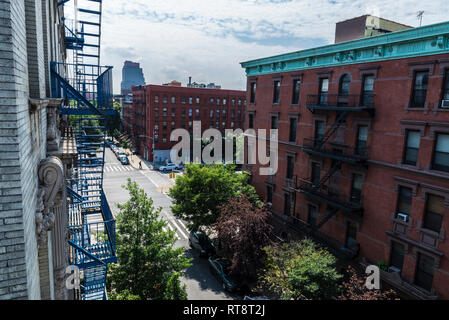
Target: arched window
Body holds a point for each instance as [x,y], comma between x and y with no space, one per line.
[345,83]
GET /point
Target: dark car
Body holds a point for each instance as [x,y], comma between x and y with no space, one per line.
[220,268]
[201,242]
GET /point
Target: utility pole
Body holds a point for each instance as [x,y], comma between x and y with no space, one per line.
[419,16]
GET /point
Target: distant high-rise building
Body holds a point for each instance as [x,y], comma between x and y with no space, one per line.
[132,75]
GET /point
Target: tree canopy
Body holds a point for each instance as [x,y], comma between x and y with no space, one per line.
[243,230]
[203,188]
[300,270]
[148,265]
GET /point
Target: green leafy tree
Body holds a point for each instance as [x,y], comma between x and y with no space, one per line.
[174,290]
[300,270]
[147,260]
[203,188]
[123,295]
[115,121]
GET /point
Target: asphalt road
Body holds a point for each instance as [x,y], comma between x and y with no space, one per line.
[201,284]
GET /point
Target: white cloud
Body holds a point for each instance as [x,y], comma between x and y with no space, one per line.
[178,38]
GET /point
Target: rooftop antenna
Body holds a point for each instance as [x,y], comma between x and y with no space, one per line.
[419,16]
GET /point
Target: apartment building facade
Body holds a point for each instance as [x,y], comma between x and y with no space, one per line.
[363,151]
[157,110]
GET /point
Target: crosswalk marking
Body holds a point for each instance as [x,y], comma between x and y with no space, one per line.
[180,230]
[116,167]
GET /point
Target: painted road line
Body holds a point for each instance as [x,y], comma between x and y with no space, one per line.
[171,228]
[180,230]
[182,223]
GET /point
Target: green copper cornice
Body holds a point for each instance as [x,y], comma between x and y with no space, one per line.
[422,41]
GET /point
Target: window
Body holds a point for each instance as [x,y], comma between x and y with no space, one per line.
[424,272]
[172,124]
[232,124]
[420,89]
[190,112]
[211,100]
[232,113]
[197,100]
[397,255]
[190,100]
[223,125]
[239,113]
[319,131]
[412,147]
[224,114]
[292,134]
[296,87]
[156,112]
[197,113]
[233,102]
[224,101]
[183,100]
[316,174]
[211,113]
[156,126]
[156,99]
[251,121]
[362,137]
[183,113]
[276,91]
[269,194]
[217,124]
[164,125]
[290,167]
[441,155]
[324,88]
[446,86]
[156,138]
[165,99]
[173,99]
[287,204]
[239,103]
[367,93]
[252,96]
[345,84]
[433,217]
[164,138]
[404,201]
[164,112]
[351,235]
[218,113]
[356,190]
[311,219]
[190,124]
[274,122]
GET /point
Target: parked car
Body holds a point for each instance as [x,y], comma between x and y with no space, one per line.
[220,268]
[120,154]
[256,298]
[124,160]
[200,241]
[170,167]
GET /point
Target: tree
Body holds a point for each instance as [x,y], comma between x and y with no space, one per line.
[115,121]
[354,288]
[300,270]
[174,290]
[243,230]
[203,188]
[147,261]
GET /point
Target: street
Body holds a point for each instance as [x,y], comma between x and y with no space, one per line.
[201,285]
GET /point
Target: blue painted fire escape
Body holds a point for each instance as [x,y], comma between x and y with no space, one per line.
[87,91]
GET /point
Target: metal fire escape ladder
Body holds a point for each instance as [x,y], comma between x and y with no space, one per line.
[87,90]
[339,120]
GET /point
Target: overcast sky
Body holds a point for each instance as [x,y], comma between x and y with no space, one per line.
[175,39]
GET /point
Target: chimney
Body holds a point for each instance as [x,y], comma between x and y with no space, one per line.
[190,81]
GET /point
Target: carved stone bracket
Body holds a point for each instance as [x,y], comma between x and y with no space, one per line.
[51,177]
[53,126]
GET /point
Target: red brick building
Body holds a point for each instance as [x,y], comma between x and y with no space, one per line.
[158,109]
[363,151]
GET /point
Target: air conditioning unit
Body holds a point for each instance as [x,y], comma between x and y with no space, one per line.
[445,104]
[402,216]
[394,270]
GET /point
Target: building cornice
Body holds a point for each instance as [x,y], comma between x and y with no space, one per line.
[421,41]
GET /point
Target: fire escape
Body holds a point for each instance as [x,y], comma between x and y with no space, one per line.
[319,189]
[87,91]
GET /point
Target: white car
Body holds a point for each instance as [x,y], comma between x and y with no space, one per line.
[170,167]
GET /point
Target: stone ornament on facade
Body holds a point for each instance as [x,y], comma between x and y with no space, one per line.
[51,174]
[53,133]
